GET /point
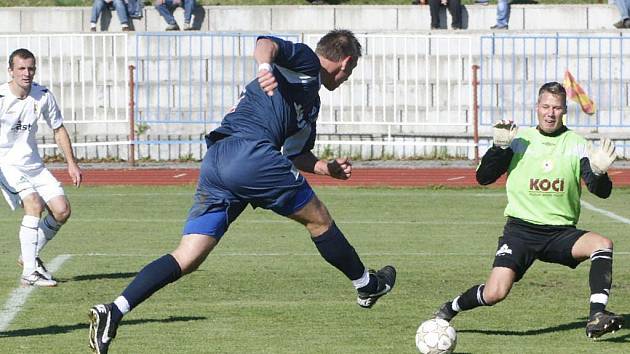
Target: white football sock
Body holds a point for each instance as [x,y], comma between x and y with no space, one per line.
[363,281]
[122,304]
[28,243]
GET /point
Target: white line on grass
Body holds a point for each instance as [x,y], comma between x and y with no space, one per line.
[287,221]
[18,296]
[404,191]
[607,213]
[314,254]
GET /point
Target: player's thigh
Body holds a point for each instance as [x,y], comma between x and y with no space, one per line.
[18,182]
[589,243]
[193,250]
[46,185]
[314,216]
[215,206]
[212,219]
[559,249]
[514,251]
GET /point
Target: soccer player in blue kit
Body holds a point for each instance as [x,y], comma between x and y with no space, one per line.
[254,158]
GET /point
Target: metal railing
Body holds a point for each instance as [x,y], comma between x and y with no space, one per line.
[192,77]
[514,67]
[404,80]
[85,72]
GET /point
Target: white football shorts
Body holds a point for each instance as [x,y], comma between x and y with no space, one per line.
[16,183]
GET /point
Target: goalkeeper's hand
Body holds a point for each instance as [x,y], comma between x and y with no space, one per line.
[602,157]
[504,132]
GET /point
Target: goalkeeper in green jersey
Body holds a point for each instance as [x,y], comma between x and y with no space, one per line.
[544,166]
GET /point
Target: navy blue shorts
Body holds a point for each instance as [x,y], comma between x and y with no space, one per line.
[236,172]
[522,243]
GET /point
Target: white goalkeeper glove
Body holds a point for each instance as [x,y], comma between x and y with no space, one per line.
[504,132]
[602,157]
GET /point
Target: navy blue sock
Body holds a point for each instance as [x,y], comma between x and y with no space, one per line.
[152,278]
[116,314]
[336,250]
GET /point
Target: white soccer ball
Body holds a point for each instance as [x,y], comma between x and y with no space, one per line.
[436,336]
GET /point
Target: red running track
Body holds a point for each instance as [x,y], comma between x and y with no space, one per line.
[393,177]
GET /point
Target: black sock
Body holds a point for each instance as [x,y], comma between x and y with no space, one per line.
[600,279]
[152,278]
[471,298]
[336,250]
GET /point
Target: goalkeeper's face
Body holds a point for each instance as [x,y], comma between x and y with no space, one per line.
[550,109]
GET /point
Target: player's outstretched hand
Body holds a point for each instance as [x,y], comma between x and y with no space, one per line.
[75,174]
[504,132]
[340,168]
[266,80]
[602,157]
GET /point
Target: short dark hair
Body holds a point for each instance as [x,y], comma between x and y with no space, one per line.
[338,44]
[554,88]
[22,53]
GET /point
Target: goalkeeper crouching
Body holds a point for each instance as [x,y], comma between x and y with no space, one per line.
[544,166]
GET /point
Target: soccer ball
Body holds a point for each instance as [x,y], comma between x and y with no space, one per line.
[436,336]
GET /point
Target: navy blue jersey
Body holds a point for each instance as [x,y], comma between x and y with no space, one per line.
[288,118]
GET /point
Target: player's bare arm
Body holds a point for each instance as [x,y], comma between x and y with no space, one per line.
[264,53]
[340,168]
[63,141]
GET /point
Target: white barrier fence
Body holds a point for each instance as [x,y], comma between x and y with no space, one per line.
[404,86]
[87,73]
[405,83]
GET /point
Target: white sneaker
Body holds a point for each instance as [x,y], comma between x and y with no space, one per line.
[41,269]
[36,279]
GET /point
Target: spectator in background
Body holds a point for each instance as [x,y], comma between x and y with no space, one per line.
[503,15]
[121,10]
[624,11]
[454,7]
[166,8]
[135,9]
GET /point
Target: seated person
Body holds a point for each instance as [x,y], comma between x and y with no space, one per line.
[121,10]
[166,8]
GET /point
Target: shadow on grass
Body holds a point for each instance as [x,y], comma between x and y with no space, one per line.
[529,332]
[99,276]
[27,332]
[562,327]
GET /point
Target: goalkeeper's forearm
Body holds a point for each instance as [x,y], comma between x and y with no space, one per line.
[493,164]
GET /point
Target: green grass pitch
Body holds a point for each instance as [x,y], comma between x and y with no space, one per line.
[266,290]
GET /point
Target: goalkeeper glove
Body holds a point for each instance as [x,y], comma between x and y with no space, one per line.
[601,158]
[504,132]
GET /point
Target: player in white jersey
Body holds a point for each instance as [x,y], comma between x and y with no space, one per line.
[24,181]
